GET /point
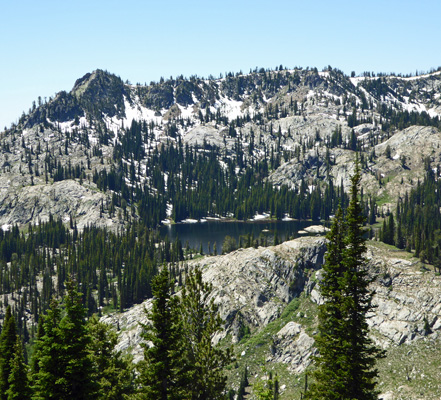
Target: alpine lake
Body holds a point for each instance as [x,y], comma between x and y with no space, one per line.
[209,232]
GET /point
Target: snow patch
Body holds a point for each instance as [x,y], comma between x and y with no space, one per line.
[134,111]
[6,227]
[230,108]
[258,217]
[310,94]
[414,78]
[186,112]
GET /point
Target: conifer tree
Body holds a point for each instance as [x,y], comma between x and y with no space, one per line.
[361,354]
[8,338]
[204,362]
[65,368]
[346,355]
[34,364]
[158,377]
[329,341]
[47,357]
[76,340]
[114,373]
[18,379]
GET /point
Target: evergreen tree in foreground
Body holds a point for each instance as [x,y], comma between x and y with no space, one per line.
[346,355]
[203,362]
[114,372]
[182,362]
[18,378]
[8,337]
[65,369]
[158,370]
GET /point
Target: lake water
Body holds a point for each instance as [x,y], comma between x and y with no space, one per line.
[211,232]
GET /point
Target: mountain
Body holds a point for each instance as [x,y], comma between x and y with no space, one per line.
[285,127]
[87,176]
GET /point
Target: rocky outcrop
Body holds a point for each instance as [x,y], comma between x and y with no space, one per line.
[204,134]
[22,204]
[407,300]
[250,286]
[253,286]
[293,346]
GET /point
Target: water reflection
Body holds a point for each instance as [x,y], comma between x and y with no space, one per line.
[214,232]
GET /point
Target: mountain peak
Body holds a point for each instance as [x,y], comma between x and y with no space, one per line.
[95,78]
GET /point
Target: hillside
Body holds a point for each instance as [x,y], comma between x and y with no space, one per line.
[87,177]
[268,297]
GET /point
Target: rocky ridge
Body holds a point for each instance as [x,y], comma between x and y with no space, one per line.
[290,112]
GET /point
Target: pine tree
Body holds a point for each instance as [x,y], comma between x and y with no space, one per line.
[18,378]
[47,357]
[76,340]
[114,373]
[34,364]
[158,378]
[65,368]
[360,352]
[346,355]
[8,338]
[204,362]
[329,342]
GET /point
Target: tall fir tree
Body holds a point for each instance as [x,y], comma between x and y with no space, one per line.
[346,354]
[114,373]
[361,354]
[47,357]
[158,377]
[8,338]
[65,367]
[330,339]
[18,378]
[34,364]
[78,364]
[204,362]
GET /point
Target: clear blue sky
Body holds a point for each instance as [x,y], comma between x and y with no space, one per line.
[46,45]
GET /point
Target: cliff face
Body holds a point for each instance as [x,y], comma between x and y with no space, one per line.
[257,288]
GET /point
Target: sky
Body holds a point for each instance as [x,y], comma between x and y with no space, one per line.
[46,45]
